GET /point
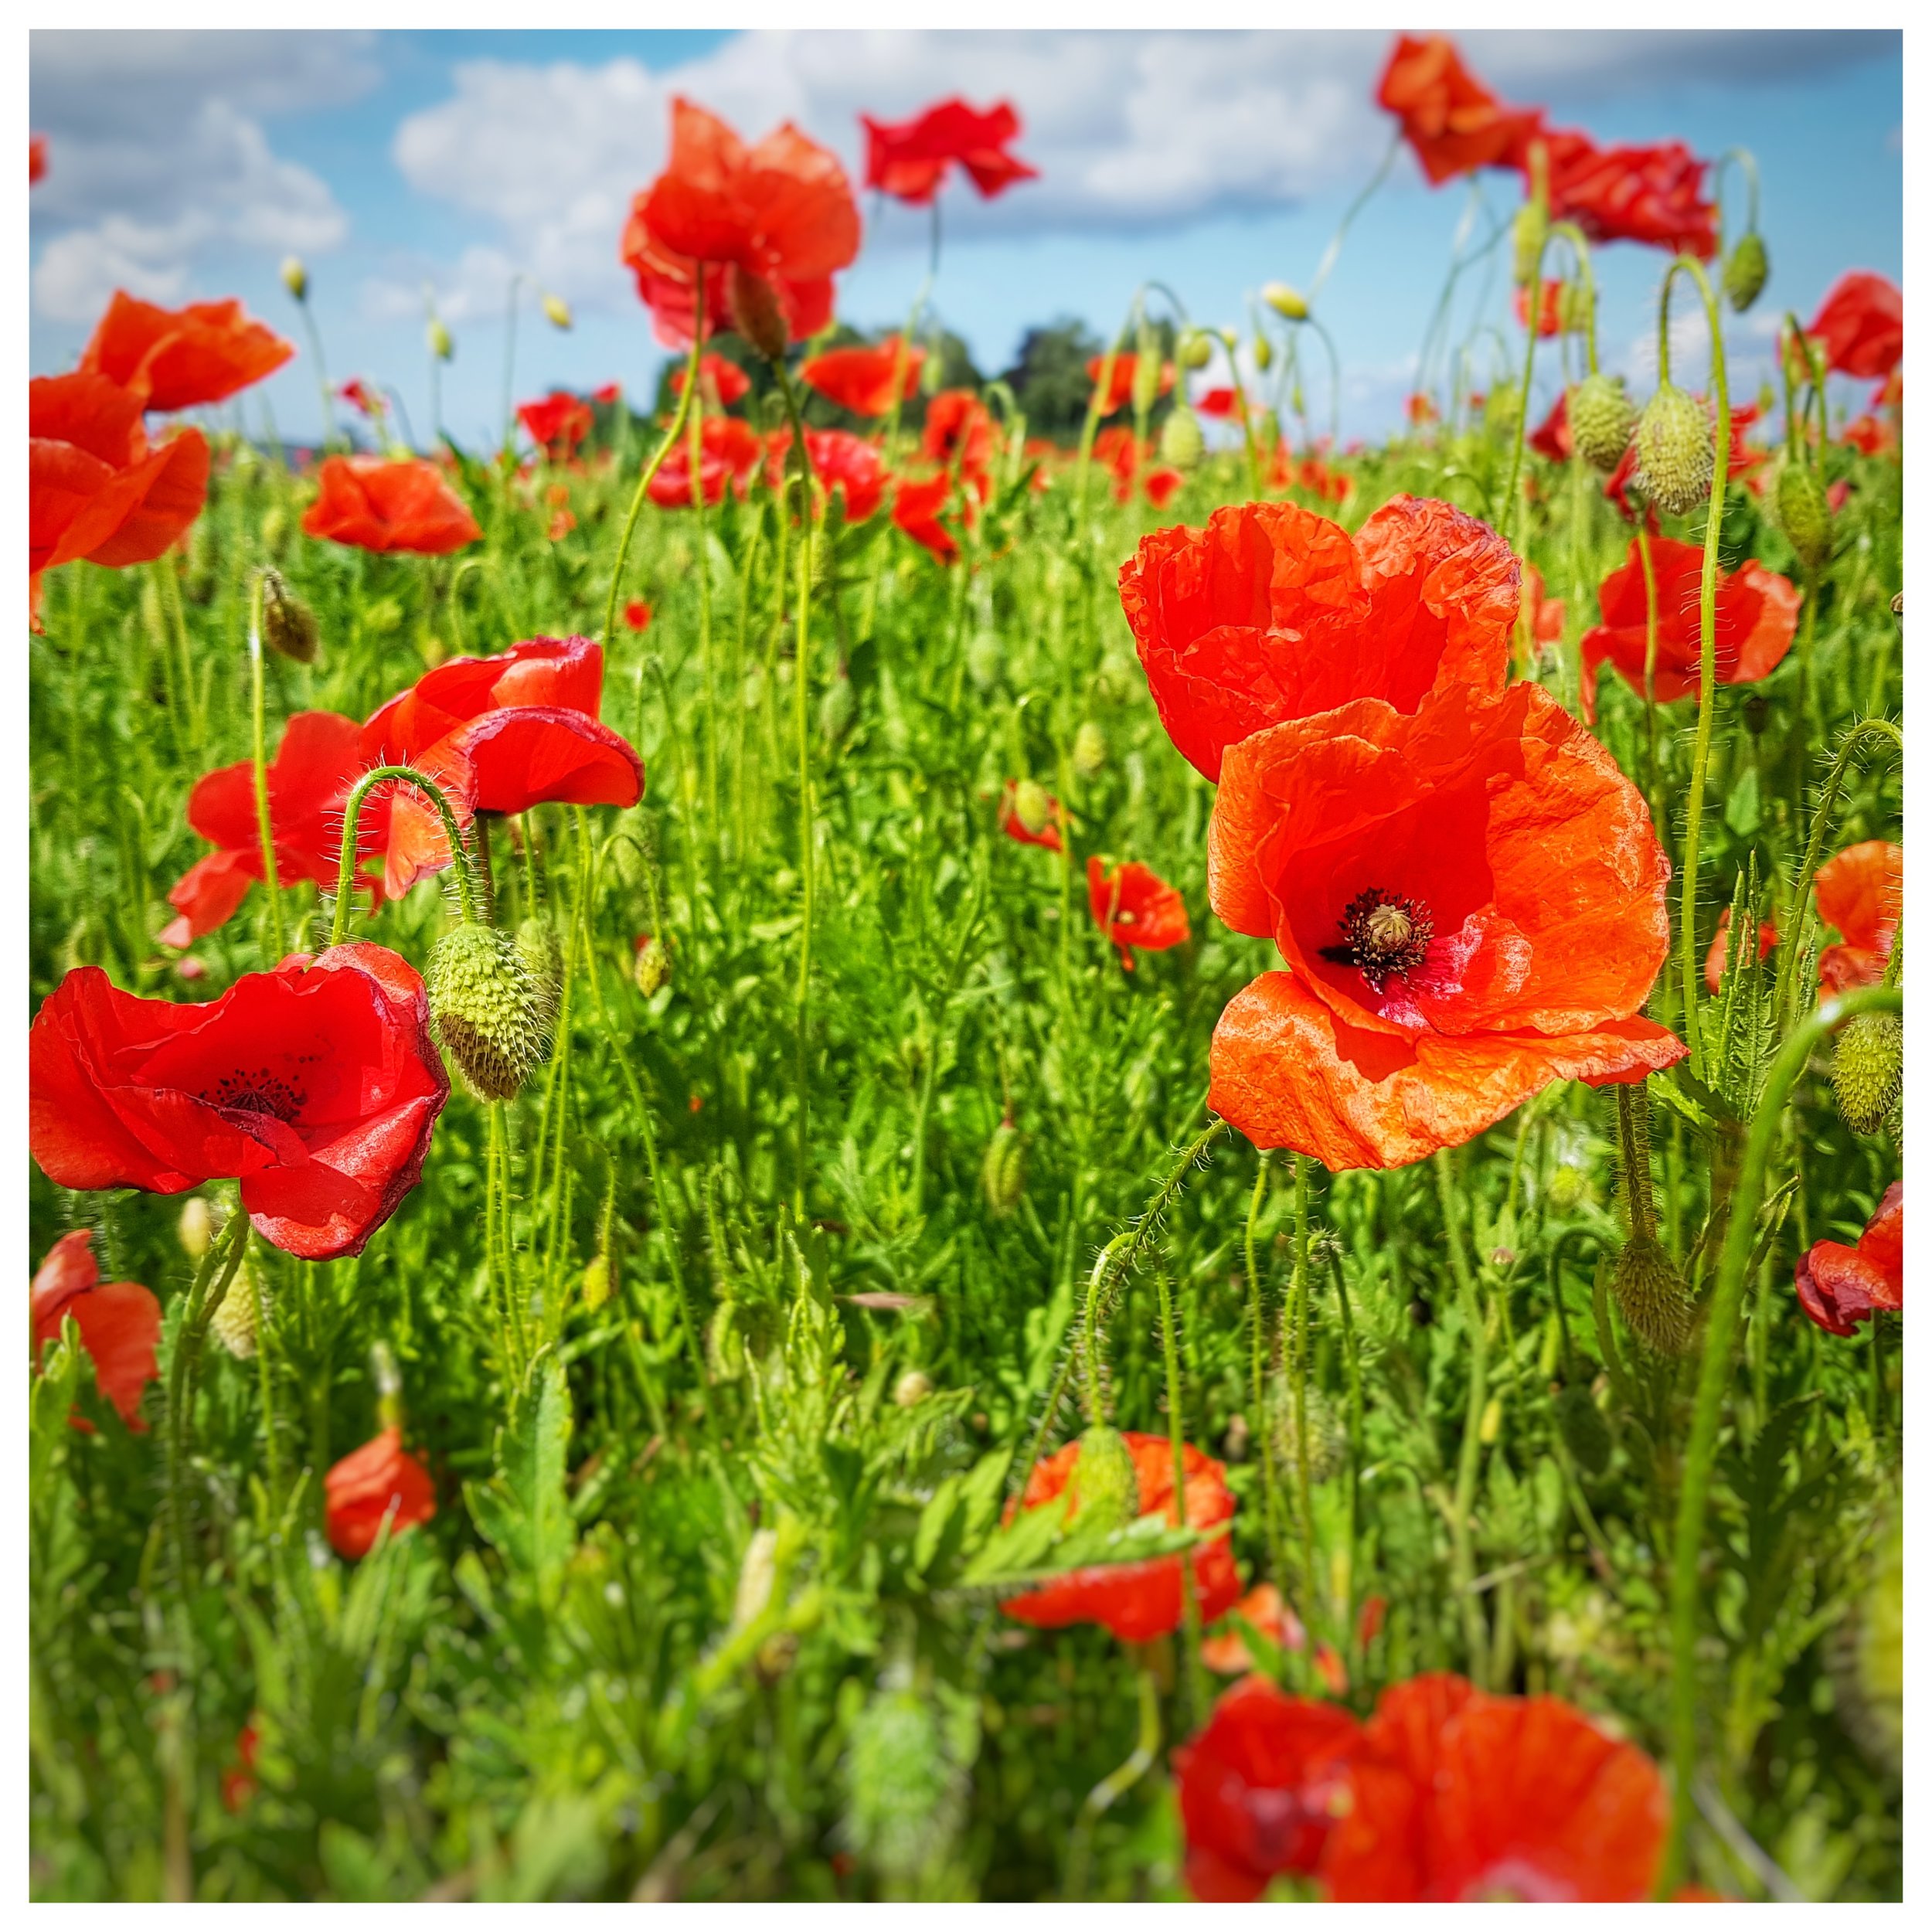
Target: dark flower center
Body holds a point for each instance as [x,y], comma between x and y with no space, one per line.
[1382,933]
[256,1092]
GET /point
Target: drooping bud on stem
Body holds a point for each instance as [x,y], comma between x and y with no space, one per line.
[1602,420]
[486,1011]
[756,312]
[295,277]
[1746,271]
[1676,461]
[1803,513]
[1106,1490]
[1003,1170]
[288,625]
[558,311]
[1289,303]
[1649,1291]
[1867,1070]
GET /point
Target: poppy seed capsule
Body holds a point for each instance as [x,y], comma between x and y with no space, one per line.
[1585,1434]
[1003,1171]
[1602,419]
[234,1322]
[288,625]
[1746,271]
[1106,1490]
[1675,459]
[1182,444]
[1288,303]
[485,1010]
[1649,1294]
[1803,512]
[1867,1070]
[756,313]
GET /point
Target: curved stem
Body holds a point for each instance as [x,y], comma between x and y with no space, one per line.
[1512,493]
[352,813]
[1720,1329]
[1114,1786]
[1333,252]
[264,820]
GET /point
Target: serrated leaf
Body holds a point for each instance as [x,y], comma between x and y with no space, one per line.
[523,1511]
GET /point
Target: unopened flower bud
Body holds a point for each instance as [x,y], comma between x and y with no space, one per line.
[197,1226]
[295,277]
[1106,1489]
[1569,1189]
[541,953]
[437,335]
[1532,224]
[1675,458]
[1867,1070]
[756,312]
[1602,420]
[233,1323]
[652,968]
[757,1575]
[1090,749]
[1195,349]
[558,310]
[1651,1296]
[1264,354]
[1490,1427]
[1032,805]
[1003,1171]
[1182,446]
[1746,272]
[836,708]
[1146,391]
[1585,1434]
[912,1388]
[1803,512]
[596,1283]
[288,624]
[1289,303]
[486,1010]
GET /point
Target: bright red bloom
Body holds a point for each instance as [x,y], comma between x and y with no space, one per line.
[782,211]
[316,1085]
[1260,1787]
[1120,387]
[1551,319]
[556,423]
[1551,437]
[730,453]
[1163,486]
[120,1322]
[1262,1607]
[1454,123]
[1862,892]
[375,503]
[36,159]
[1838,1286]
[861,379]
[1757,620]
[1641,194]
[1222,404]
[720,381]
[178,358]
[842,462]
[1015,827]
[1470,903]
[380,1482]
[959,434]
[95,489]
[1135,908]
[310,777]
[1456,1796]
[1272,613]
[637,614]
[1862,324]
[1137,1601]
[365,397]
[1868,436]
[910,159]
[917,504]
[1720,949]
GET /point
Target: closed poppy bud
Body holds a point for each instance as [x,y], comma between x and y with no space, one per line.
[1746,272]
[912,1388]
[1491,1426]
[1650,1295]
[1107,1491]
[1287,302]
[1032,806]
[541,953]
[1195,349]
[596,1283]
[757,1575]
[1532,224]
[836,708]
[1803,512]
[1146,390]
[196,1226]
[485,1010]
[234,1324]
[756,313]
[295,277]
[1090,749]
[904,1793]
[275,526]
[1602,419]
[1867,1070]
[1264,354]
[1585,1434]
[1003,1171]
[652,968]
[288,625]
[558,311]
[1675,454]
[1182,446]
[1569,1189]
[437,335]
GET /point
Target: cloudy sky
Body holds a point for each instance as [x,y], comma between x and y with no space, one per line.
[186,164]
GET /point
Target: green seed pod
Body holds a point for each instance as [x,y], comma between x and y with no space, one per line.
[1746,272]
[1585,1434]
[652,968]
[1090,749]
[1003,1171]
[1500,410]
[1803,513]
[1675,458]
[486,1011]
[1867,1070]
[902,1791]
[1182,446]
[1651,1296]
[288,624]
[1106,1488]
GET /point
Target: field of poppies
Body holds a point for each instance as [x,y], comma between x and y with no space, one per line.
[805,1142]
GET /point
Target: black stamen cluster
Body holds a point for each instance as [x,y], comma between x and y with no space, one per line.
[1383,934]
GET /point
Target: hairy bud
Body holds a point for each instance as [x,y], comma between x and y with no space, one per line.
[1867,1070]
[1090,749]
[1105,1486]
[652,968]
[288,624]
[1651,1294]
[1675,458]
[232,1324]
[1002,1172]
[486,1011]
[538,946]
[1746,271]
[1803,512]
[904,1793]
[1032,805]
[836,708]
[1532,224]
[1182,446]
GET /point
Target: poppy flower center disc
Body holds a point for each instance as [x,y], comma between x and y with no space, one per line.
[258,1091]
[1382,933]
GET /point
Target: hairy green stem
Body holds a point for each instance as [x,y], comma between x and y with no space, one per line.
[352,815]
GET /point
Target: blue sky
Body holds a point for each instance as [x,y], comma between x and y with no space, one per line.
[186,164]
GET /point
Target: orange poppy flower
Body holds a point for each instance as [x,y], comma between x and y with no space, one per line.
[1861,324]
[1263,1606]
[1470,903]
[95,489]
[1652,194]
[1273,612]
[781,212]
[1015,828]
[720,381]
[861,379]
[1455,1796]
[842,463]
[380,1482]
[1720,948]
[1135,908]
[1551,437]
[1260,1788]
[119,1323]
[1453,122]
[381,504]
[1120,387]
[1862,892]
[910,159]
[1139,1601]
[557,423]
[1550,319]
[178,358]
[918,505]
[959,432]
[730,452]
[1838,1286]
[1543,614]
[1420,410]
[1757,620]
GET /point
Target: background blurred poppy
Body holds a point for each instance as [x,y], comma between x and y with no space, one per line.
[1838,1286]
[910,159]
[381,504]
[379,1482]
[181,359]
[1136,908]
[861,379]
[1862,324]
[120,1322]
[1861,891]
[1451,120]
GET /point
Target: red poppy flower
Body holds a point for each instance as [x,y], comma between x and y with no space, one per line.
[1862,892]
[238,1780]
[178,358]
[1470,903]
[1642,194]
[608,394]
[782,211]
[375,503]
[316,1085]
[1421,410]
[1720,949]
[365,397]
[319,759]
[1161,486]
[1120,387]
[842,462]
[861,379]
[909,159]
[1551,438]
[959,432]
[120,1322]
[1272,613]
[1838,1286]
[916,507]
[637,614]
[380,1482]
[1757,620]
[1868,436]
[1260,1787]
[36,159]
[1015,827]
[95,489]
[524,723]
[1139,1601]
[1316,477]
[1551,318]
[1220,403]
[1456,1796]
[729,453]
[1135,908]
[720,381]
[557,423]
[1263,1606]
[1862,324]
[1454,123]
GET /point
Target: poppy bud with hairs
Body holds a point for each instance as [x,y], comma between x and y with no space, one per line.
[1746,271]
[288,624]
[1675,457]
[1602,420]
[1106,1490]
[1804,513]
[486,1010]
[1003,1171]
[1867,1070]
[1650,1295]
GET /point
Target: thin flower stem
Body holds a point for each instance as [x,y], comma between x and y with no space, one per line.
[352,815]
[1262,1436]
[1462,1547]
[1194,1699]
[1304,1492]
[169,580]
[1332,254]
[1512,499]
[1714,1373]
[210,1284]
[264,820]
[1113,1787]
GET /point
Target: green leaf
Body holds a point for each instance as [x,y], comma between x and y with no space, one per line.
[523,1511]
[1741,809]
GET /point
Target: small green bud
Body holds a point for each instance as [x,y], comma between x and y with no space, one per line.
[275,526]
[558,311]
[1569,1189]
[912,1388]
[288,624]
[1032,805]
[1195,349]
[1867,1070]
[1090,749]
[486,1010]
[1866,1658]
[1602,420]
[1263,353]
[232,1324]
[1746,272]
[597,1282]
[197,1226]
[1146,372]
[1651,1294]
[437,335]
[903,1792]
[652,968]
[836,708]
[1803,512]
[1328,1437]
[1106,1488]
[1287,302]
[1003,1170]
[1182,446]
[1675,458]
[1501,408]
[1585,1434]
[295,277]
